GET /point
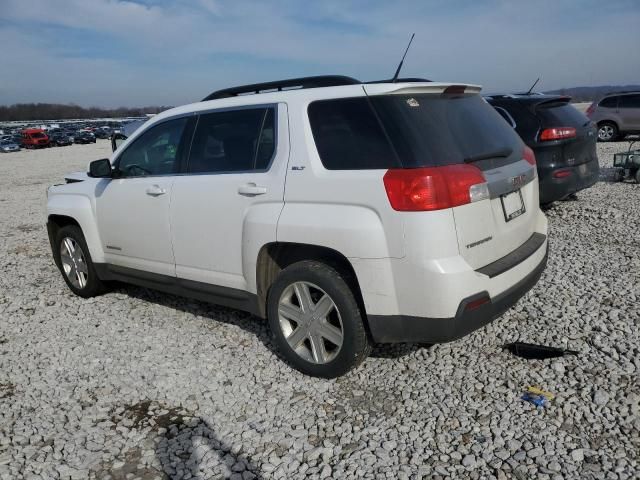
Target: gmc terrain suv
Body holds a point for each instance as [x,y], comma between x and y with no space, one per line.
[343,212]
[562,138]
[617,115]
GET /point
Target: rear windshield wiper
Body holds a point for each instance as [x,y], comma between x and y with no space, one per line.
[504,152]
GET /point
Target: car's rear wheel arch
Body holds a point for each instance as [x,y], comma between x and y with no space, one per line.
[274,257]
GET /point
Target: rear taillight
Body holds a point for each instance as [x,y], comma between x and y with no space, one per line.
[590,110]
[529,156]
[562,173]
[558,133]
[434,188]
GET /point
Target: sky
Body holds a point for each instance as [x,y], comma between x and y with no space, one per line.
[113,53]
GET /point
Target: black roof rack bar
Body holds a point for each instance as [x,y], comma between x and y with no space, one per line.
[293,83]
[621,91]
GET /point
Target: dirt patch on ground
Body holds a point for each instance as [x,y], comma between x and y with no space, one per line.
[6,390]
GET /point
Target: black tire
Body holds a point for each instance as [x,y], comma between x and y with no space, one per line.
[637,176]
[355,347]
[607,132]
[93,286]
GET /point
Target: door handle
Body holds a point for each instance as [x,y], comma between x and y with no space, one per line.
[155,191]
[251,189]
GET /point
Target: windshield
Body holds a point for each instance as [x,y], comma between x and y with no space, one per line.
[37,135]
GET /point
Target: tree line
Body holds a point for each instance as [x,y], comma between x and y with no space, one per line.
[54,111]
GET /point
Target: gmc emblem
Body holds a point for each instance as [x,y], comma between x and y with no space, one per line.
[518,181]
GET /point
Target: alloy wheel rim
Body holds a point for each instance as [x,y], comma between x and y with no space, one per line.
[310,322]
[74,263]
[605,132]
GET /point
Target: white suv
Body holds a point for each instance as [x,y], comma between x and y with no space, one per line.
[345,213]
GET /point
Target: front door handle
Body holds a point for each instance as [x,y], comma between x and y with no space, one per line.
[155,191]
[251,189]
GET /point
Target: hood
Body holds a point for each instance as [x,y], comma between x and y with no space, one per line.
[76,177]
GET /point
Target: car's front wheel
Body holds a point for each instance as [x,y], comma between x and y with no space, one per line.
[607,132]
[74,261]
[316,320]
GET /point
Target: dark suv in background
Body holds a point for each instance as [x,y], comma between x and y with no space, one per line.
[563,139]
[617,115]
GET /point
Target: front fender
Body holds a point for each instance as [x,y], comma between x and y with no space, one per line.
[80,208]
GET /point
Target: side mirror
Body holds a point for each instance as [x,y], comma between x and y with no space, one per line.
[100,168]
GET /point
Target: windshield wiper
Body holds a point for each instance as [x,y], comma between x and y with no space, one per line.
[504,152]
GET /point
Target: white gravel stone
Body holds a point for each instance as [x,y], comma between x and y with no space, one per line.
[148,385]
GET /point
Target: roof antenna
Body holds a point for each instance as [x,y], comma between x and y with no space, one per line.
[395,77]
[534,84]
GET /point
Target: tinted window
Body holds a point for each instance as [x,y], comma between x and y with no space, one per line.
[561,115]
[233,141]
[630,101]
[504,114]
[155,152]
[429,130]
[610,102]
[348,135]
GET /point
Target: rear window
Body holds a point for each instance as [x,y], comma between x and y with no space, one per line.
[407,130]
[429,130]
[561,115]
[37,135]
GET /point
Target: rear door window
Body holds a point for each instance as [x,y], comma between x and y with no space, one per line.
[233,141]
[610,102]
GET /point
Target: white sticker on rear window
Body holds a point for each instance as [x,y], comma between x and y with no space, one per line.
[412,102]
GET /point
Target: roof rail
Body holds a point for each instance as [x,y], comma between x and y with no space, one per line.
[621,91]
[290,84]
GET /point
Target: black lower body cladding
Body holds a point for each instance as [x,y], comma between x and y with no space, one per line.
[408,329]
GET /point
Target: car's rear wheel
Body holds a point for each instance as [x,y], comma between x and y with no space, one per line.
[316,320]
[74,261]
[607,132]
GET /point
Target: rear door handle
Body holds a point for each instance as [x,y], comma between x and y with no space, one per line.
[155,191]
[251,189]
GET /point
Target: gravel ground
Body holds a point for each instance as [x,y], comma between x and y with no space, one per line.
[137,384]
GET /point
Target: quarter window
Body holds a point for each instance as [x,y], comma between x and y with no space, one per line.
[349,136]
[155,152]
[233,141]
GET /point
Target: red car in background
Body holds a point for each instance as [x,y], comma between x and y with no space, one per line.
[34,138]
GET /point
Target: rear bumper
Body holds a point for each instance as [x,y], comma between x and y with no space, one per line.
[579,177]
[404,328]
